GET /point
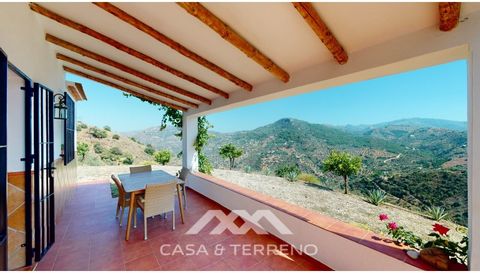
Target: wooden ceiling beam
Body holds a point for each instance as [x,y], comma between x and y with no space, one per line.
[310,15]
[119,87]
[67,45]
[230,35]
[132,52]
[122,79]
[124,16]
[449,15]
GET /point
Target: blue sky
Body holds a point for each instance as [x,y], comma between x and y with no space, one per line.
[433,92]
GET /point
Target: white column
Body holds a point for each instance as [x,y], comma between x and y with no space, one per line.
[474,155]
[189,134]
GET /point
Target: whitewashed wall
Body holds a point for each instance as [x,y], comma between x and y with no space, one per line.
[23,40]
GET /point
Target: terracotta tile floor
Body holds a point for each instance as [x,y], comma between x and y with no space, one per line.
[88,237]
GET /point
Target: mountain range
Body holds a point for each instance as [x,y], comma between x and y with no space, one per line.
[419,162]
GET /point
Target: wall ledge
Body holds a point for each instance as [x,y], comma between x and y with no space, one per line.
[363,237]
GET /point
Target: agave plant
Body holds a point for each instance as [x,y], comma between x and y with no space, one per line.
[291,176]
[376,197]
[437,213]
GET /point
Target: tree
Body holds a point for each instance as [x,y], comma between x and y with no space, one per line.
[107,128]
[82,150]
[342,164]
[116,137]
[231,152]
[162,157]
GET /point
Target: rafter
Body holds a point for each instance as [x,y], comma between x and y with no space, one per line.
[449,15]
[125,89]
[92,33]
[124,16]
[230,35]
[310,15]
[67,45]
[124,80]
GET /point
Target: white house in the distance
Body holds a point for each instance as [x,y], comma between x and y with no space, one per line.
[202,59]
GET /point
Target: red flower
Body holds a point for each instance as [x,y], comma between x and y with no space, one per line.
[383,217]
[392,226]
[442,230]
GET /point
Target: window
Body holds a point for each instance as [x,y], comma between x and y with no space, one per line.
[69,145]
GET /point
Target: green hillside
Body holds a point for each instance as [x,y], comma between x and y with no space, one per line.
[416,161]
[110,148]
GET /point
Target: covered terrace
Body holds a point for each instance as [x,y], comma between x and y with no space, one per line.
[211,57]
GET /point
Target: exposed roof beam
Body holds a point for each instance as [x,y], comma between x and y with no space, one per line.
[86,30]
[122,79]
[122,15]
[57,41]
[227,33]
[119,87]
[449,15]
[321,29]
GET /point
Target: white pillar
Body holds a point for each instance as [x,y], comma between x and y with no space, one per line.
[189,134]
[474,155]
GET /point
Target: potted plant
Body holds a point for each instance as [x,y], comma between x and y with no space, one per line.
[441,252]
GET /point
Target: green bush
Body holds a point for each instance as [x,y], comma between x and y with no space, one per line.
[291,176]
[107,128]
[204,165]
[436,213]
[306,177]
[284,170]
[81,126]
[149,150]
[247,169]
[376,197]
[128,160]
[116,151]
[116,137]
[98,133]
[82,150]
[98,148]
[163,157]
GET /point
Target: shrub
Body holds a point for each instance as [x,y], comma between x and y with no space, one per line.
[247,169]
[116,151]
[162,157]
[116,137]
[267,172]
[98,148]
[376,197]
[204,165]
[81,125]
[134,139]
[284,170]
[436,213]
[128,160]
[107,128]
[291,176]
[98,133]
[109,157]
[149,150]
[82,149]
[310,178]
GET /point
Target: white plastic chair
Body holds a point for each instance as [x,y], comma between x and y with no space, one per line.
[159,199]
